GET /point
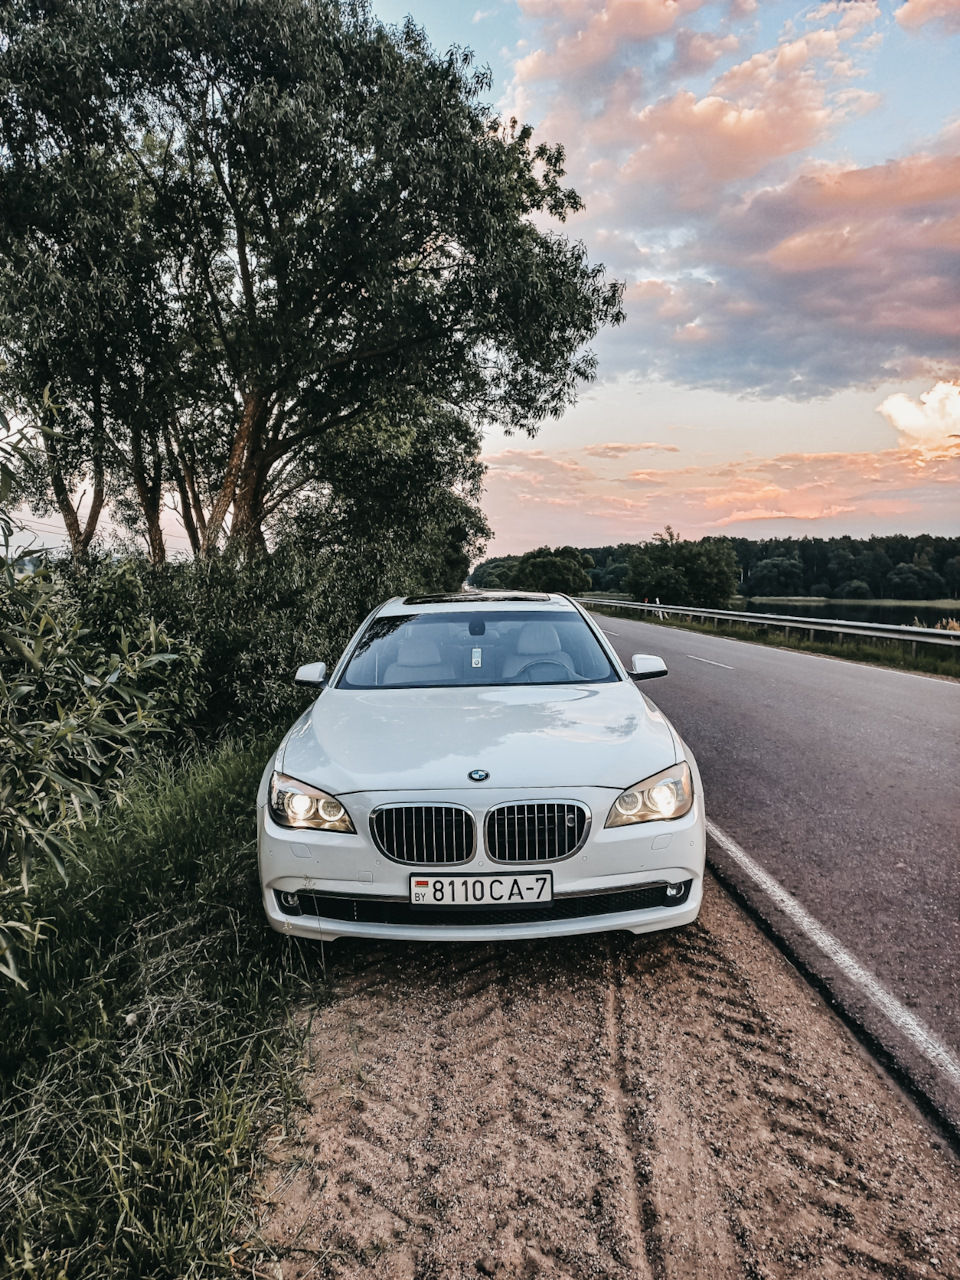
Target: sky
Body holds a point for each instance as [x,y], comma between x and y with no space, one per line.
[779,188]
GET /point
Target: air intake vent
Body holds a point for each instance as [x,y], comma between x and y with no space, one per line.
[423,834]
[369,910]
[535,832]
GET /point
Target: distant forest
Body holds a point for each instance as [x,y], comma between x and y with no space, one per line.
[894,567]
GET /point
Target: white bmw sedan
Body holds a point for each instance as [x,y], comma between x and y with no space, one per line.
[480,766]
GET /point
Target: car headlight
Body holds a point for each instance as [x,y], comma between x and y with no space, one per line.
[668,794]
[295,804]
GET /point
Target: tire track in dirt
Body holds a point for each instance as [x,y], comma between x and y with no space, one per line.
[679,1105]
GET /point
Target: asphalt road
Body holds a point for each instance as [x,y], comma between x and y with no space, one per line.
[843,782]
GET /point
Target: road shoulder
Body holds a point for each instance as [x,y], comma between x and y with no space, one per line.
[676,1105]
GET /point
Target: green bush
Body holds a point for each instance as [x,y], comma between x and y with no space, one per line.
[243,627]
[253,624]
[76,703]
[109,663]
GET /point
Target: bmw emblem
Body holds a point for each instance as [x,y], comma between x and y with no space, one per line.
[478,775]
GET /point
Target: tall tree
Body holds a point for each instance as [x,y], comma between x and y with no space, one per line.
[340,228]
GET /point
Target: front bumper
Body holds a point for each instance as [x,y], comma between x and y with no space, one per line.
[620,862]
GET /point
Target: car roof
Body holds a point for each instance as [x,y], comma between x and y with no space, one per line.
[474,601]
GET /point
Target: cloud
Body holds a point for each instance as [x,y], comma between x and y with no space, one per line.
[917,13]
[615,450]
[679,150]
[751,265]
[823,492]
[644,478]
[932,423]
[696,51]
[583,35]
[931,178]
[536,462]
[835,276]
[777,513]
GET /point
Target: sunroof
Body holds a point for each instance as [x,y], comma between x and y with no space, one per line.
[477,597]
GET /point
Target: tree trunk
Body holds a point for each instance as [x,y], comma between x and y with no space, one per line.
[149,489]
[186,506]
[93,515]
[246,444]
[96,502]
[246,530]
[68,512]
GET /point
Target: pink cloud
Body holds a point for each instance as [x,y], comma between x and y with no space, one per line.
[774,104]
[810,488]
[868,257]
[694,332]
[750,264]
[776,513]
[696,51]
[643,478]
[535,466]
[621,450]
[921,179]
[601,29]
[917,13]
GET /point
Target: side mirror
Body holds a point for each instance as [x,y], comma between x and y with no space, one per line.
[646,666]
[313,673]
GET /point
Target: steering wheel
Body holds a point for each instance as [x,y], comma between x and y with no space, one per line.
[545,662]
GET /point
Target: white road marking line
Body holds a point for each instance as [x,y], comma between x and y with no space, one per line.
[711,661]
[609,633]
[917,1032]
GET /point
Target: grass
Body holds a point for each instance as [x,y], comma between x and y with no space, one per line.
[948,606]
[155,1045]
[929,659]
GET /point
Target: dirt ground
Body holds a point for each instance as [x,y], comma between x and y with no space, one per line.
[676,1105]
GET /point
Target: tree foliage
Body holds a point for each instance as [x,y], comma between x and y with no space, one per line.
[900,566]
[673,571]
[897,566]
[563,569]
[231,234]
[776,576]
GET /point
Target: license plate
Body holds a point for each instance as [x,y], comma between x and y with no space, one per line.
[482,891]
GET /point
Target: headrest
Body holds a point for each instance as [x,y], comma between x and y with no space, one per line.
[418,652]
[538,637]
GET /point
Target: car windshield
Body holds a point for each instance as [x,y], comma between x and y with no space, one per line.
[425,650]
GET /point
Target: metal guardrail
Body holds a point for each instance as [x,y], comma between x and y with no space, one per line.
[836,626]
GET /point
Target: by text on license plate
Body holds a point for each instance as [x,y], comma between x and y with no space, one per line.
[482,891]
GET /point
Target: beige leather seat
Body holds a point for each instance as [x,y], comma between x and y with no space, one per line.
[418,662]
[537,642]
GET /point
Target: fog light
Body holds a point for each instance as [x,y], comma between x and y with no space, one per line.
[289,903]
[675,890]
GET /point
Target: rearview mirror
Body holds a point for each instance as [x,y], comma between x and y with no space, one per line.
[646,666]
[313,673]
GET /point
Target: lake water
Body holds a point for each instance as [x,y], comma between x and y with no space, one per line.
[900,613]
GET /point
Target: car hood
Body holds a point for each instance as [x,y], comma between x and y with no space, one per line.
[429,739]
